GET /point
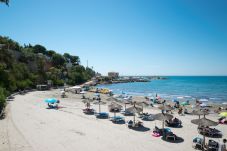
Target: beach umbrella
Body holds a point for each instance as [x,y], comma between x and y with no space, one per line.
[200,112]
[141,103]
[184,103]
[223,114]
[126,102]
[87,102]
[51,100]
[114,107]
[162,117]
[204,122]
[99,102]
[165,108]
[134,110]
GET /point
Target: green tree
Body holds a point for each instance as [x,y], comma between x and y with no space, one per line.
[5,1]
[40,49]
[2,99]
[58,60]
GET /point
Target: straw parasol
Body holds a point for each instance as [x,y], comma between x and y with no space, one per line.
[114,107]
[200,112]
[87,102]
[165,107]
[141,103]
[99,102]
[134,110]
[162,117]
[204,122]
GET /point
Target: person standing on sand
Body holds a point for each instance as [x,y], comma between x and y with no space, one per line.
[223,145]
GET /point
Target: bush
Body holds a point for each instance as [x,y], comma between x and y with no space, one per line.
[2,99]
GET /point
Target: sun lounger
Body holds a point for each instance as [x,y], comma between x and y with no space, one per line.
[212,146]
[53,105]
[161,131]
[197,143]
[148,117]
[102,115]
[173,123]
[89,111]
[117,119]
[211,132]
[127,113]
[170,135]
[130,124]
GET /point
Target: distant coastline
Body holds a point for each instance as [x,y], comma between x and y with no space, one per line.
[213,88]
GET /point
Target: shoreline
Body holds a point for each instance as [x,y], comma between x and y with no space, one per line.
[30,126]
[169,97]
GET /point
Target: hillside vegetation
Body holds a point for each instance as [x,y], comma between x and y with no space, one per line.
[23,67]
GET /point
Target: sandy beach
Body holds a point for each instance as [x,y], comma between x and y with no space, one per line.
[30,126]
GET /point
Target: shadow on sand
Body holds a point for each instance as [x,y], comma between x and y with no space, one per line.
[178,140]
[140,129]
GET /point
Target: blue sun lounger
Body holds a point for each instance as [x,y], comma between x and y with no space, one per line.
[102,115]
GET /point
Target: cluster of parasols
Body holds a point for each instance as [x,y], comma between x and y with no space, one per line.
[137,107]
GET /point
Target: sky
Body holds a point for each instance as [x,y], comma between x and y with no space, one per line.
[132,37]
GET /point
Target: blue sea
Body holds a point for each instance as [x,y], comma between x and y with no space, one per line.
[213,88]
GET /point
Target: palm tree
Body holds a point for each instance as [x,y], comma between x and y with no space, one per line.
[5,1]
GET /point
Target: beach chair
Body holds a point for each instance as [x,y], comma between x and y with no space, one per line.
[138,124]
[212,145]
[129,124]
[157,131]
[197,143]
[102,115]
[127,113]
[213,132]
[170,135]
[173,123]
[117,119]
[53,105]
[148,117]
[88,111]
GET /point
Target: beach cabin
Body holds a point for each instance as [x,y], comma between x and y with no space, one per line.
[75,89]
[42,87]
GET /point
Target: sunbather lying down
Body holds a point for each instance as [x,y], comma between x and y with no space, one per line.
[131,124]
[53,105]
[89,111]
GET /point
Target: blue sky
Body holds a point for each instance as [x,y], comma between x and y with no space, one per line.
[133,37]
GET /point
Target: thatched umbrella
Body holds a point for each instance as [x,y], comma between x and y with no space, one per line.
[114,107]
[165,108]
[125,101]
[162,117]
[204,122]
[134,110]
[141,103]
[200,112]
[99,102]
[87,102]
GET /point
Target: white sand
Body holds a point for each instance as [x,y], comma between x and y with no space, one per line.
[29,126]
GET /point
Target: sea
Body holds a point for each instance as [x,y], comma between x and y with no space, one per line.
[212,88]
